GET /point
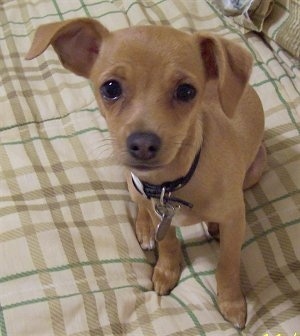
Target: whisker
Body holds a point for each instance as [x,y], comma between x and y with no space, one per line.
[101,148]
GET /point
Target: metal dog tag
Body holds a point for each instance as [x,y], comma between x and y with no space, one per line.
[166,213]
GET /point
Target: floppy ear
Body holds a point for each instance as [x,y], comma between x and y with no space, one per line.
[77,43]
[230,64]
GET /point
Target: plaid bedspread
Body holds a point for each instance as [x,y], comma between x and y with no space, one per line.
[70,263]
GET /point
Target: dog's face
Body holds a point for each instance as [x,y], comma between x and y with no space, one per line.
[149,83]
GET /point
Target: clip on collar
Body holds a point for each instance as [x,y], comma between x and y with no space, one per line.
[163,191]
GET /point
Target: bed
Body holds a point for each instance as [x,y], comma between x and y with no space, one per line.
[70,263]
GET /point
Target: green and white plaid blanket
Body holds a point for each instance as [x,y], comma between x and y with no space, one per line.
[70,263]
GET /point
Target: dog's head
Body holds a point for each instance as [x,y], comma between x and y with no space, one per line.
[149,83]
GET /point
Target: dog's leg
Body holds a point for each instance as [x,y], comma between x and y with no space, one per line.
[144,229]
[168,267]
[231,301]
[256,169]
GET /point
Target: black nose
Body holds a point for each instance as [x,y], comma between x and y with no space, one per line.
[143,145]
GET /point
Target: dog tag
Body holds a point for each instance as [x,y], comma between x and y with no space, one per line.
[166,213]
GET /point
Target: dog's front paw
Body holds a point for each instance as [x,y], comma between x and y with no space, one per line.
[234,311]
[144,229]
[165,279]
[146,236]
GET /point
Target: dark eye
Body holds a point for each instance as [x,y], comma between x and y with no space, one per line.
[185,92]
[111,90]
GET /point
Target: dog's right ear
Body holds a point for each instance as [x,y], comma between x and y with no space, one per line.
[77,43]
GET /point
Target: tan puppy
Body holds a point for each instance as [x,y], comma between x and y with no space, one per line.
[179,110]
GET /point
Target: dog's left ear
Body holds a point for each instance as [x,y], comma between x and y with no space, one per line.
[230,64]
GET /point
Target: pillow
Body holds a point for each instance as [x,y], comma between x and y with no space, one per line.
[250,14]
[283,26]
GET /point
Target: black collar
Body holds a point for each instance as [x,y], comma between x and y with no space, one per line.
[163,191]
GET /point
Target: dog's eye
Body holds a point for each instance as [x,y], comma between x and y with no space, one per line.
[185,92]
[111,90]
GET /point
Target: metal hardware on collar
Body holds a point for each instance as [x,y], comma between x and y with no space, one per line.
[162,196]
[138,184]
[165,212]
[159,191]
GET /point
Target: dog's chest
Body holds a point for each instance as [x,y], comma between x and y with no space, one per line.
[185,217]
[208,196]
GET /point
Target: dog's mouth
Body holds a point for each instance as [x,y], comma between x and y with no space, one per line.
[143,167]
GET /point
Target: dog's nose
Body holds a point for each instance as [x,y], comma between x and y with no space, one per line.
[143,145]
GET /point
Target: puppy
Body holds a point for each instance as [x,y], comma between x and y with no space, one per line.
[188,127]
